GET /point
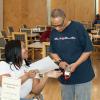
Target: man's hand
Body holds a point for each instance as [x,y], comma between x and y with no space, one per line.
[63,64]
[73,67]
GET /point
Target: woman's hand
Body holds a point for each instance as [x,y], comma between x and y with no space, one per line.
[54,74]
[31,73]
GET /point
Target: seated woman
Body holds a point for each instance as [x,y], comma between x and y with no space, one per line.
[14,66]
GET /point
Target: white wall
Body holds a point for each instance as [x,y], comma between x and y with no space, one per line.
[1,15]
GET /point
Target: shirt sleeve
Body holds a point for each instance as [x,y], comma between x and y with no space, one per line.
[84,39]
[4,68]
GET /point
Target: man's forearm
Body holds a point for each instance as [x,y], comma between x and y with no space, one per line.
[55,57]
[83,58]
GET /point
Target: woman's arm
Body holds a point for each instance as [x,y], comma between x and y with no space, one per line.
[27,75]
[38,84]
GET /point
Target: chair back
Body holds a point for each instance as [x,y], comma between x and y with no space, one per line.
[24,26]
[10,30]
[97,26]
[1,35]
[4,34]
[22,36]
[27,30]
[2,42]
[45,48]
[2,48]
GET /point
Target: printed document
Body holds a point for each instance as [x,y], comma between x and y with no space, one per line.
[10,88]
[44,65]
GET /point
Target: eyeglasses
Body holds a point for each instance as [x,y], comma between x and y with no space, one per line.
[58,26]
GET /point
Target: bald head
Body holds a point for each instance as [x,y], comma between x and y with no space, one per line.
[58,13]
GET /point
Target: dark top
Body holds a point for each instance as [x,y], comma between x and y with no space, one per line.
[96,22]
[69,45]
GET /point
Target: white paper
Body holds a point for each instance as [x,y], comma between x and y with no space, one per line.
[10,88]
[44,65]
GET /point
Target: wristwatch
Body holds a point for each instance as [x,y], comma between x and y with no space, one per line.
[41,75]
